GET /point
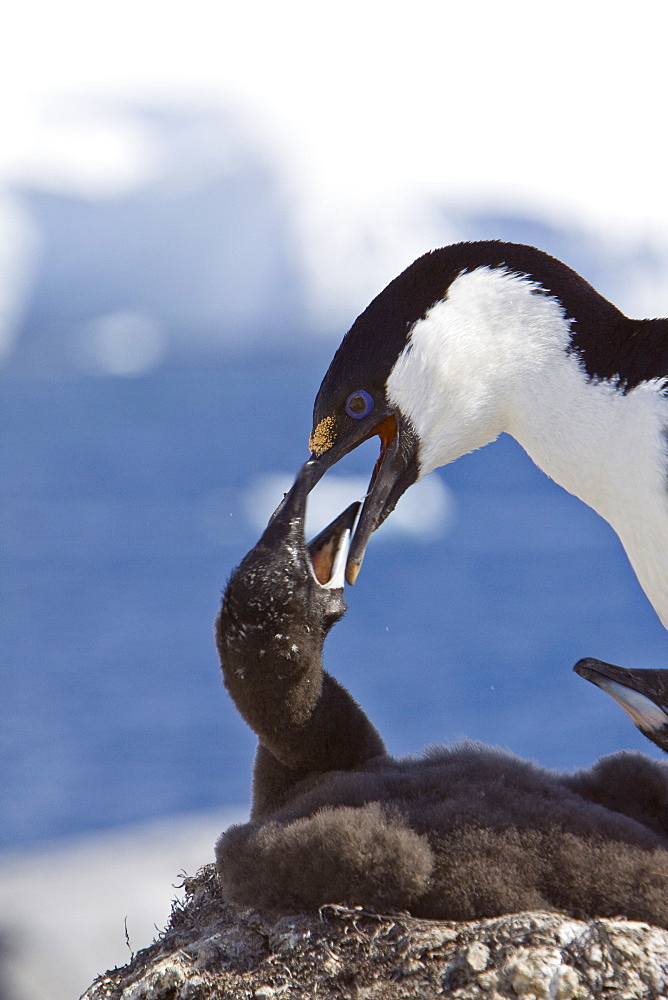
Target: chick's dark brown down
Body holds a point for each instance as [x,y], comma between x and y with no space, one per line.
[461,832]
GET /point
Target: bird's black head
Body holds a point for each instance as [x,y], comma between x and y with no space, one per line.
[643,694]
[285,589]
[352,404]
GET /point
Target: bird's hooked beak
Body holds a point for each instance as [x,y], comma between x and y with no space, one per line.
[382,495]
[328,551]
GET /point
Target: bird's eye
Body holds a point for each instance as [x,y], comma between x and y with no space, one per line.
[359,404]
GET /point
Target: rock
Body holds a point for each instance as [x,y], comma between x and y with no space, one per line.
[212,950]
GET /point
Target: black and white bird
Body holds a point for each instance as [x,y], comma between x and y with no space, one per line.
[459,832]
[643,694]
[480,338]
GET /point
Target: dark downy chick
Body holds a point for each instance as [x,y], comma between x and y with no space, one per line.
[270,631]
[461,832]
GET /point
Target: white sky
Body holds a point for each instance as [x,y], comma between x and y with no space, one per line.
[565,102]
[372,108]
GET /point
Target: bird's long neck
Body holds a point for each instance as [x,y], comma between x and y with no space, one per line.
[603,445]
[466,361]
[608,448]
[497,356]
[306,723]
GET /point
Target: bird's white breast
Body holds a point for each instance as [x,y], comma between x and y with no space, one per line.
[457,377]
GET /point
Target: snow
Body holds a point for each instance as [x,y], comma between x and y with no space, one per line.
[67,908]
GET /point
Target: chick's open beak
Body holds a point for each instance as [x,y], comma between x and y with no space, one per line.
[329,549]
[387,470]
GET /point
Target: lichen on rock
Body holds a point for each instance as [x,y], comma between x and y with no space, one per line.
[212,950]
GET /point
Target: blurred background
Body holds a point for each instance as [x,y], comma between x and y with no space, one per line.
[195,203]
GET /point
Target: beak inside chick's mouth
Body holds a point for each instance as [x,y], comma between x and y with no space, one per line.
[327,450]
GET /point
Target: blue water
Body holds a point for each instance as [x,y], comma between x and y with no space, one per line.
[112,705]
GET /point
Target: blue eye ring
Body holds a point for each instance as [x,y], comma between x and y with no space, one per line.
[359,404]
